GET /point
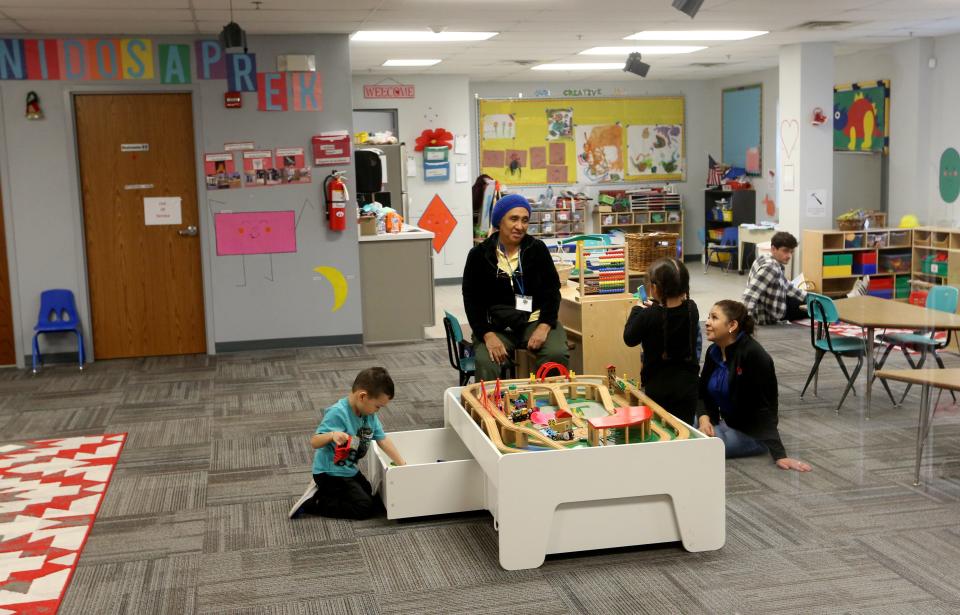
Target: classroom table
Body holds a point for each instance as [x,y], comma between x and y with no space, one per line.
[752,233]
[874,313]
[928,379]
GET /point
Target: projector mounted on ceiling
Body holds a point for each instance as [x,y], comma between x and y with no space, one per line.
[690,7]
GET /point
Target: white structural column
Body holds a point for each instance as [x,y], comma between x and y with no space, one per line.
[805,154]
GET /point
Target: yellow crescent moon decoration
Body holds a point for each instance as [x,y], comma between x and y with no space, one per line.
[338,282]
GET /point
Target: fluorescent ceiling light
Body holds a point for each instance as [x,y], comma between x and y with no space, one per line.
[694,35]
[580,66]
[411,62]
[418,36]
[647,50]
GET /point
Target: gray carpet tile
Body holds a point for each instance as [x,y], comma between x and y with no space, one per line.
[218,449]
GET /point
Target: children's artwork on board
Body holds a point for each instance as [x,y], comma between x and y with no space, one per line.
[220,171]
[861,116]
[499,126]
[655,149]
[599,153]
[258,169]
[255,232]
[538,157]
[293,165]
[559,124]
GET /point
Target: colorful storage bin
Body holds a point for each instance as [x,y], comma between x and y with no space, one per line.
[894,262]
[865,263]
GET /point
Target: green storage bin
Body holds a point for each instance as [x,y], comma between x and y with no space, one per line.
[845,259]
[829,260]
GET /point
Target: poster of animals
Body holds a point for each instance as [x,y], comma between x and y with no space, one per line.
[861,117]
[584,140]
[654,149]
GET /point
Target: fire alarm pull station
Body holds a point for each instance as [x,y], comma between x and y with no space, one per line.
[232,100]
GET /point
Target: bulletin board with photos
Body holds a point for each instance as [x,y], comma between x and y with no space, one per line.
[584,141]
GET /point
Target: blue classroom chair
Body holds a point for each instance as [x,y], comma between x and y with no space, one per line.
[58,314]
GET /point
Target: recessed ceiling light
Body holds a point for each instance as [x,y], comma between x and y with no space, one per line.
[418,36]
[411,62]
[647,50]
[579,66]
[694,35]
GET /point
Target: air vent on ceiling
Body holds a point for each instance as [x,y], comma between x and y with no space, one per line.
[823,25]
[708,64]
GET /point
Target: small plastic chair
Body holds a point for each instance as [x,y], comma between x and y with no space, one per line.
[465,365]
[940,298]
[727,245]
[58,314]
[823,313]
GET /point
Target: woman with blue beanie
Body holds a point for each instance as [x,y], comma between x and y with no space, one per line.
[511,292]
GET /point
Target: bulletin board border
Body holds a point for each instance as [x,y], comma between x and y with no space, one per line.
[572,100]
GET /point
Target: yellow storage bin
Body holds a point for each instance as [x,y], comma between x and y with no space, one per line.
[836,271]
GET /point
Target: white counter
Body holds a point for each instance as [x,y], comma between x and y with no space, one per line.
[409,232]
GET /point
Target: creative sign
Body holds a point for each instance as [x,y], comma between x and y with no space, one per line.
[123,59]
[389,90]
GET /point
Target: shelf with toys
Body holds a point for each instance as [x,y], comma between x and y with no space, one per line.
[558,216]
[640,211]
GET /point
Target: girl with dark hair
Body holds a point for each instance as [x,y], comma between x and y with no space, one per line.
[666,327]
[738,388]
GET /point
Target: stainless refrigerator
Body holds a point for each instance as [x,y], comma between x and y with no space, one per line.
[393,167]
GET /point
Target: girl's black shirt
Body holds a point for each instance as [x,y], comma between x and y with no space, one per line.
[656,329]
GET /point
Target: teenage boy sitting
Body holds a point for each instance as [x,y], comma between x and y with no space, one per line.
[339,489]
[769,296]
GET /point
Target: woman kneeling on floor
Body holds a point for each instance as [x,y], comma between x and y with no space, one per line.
[738,388]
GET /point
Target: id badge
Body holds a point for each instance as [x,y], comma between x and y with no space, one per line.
[524,303]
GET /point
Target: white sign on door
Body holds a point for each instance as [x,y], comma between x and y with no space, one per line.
[159,210]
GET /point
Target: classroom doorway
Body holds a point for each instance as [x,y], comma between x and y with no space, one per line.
[8,355]
[143,262]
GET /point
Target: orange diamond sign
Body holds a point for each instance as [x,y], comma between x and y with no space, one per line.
[438,219]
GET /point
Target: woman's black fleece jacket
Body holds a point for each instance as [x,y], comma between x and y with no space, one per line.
[483,287]
[753,392]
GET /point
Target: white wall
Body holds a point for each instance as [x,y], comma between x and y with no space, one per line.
[696,132]
[441,102]
[944,125]
[42,207]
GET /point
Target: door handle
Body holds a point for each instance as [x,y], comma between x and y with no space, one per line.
[190,231]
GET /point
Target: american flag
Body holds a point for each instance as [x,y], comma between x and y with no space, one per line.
[715,173]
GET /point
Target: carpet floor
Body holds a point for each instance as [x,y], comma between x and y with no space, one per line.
[217,451]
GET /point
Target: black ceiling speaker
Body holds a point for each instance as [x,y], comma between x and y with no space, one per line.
[690,7]
[635,66]
[233,39]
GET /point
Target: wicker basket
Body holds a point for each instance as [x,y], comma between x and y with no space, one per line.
[850,224]
[644,248]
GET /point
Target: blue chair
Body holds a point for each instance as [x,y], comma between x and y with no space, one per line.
[823,313]
[459,351]
[727,245]
[58,313]
[940,298]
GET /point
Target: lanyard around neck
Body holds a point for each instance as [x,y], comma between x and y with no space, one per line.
[515,282]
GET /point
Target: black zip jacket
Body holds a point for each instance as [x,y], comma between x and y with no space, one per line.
[753,392]
[483,287]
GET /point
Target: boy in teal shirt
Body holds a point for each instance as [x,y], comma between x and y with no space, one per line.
[339,489]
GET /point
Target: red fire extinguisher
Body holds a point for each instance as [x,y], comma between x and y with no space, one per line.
[335,193]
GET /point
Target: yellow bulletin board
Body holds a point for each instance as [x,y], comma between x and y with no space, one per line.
[582,141]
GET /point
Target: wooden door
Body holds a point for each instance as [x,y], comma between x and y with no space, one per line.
[146,291]
[8,354]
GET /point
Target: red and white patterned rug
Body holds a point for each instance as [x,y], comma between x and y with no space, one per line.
[50,493]
[848,330]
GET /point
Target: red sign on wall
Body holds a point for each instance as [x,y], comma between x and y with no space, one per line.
[388,90]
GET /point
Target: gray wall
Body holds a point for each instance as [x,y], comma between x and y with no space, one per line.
[697,114]
[44,222]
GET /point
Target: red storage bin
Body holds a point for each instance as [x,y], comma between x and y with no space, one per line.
[918,297]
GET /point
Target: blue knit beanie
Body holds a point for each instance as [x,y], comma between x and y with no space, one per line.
[511,201]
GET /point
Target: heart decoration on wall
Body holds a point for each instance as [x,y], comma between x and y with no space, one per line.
[789,135]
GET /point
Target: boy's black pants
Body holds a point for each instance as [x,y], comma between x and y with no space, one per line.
[344,498]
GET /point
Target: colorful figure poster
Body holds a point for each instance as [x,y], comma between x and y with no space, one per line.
[293,165]
[654,150]
[220,171]
[258,169]
[861,117]
[600,153]
[256,232]
[559,124]
[499,126]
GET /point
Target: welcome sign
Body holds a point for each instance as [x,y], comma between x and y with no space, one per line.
[141,59]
